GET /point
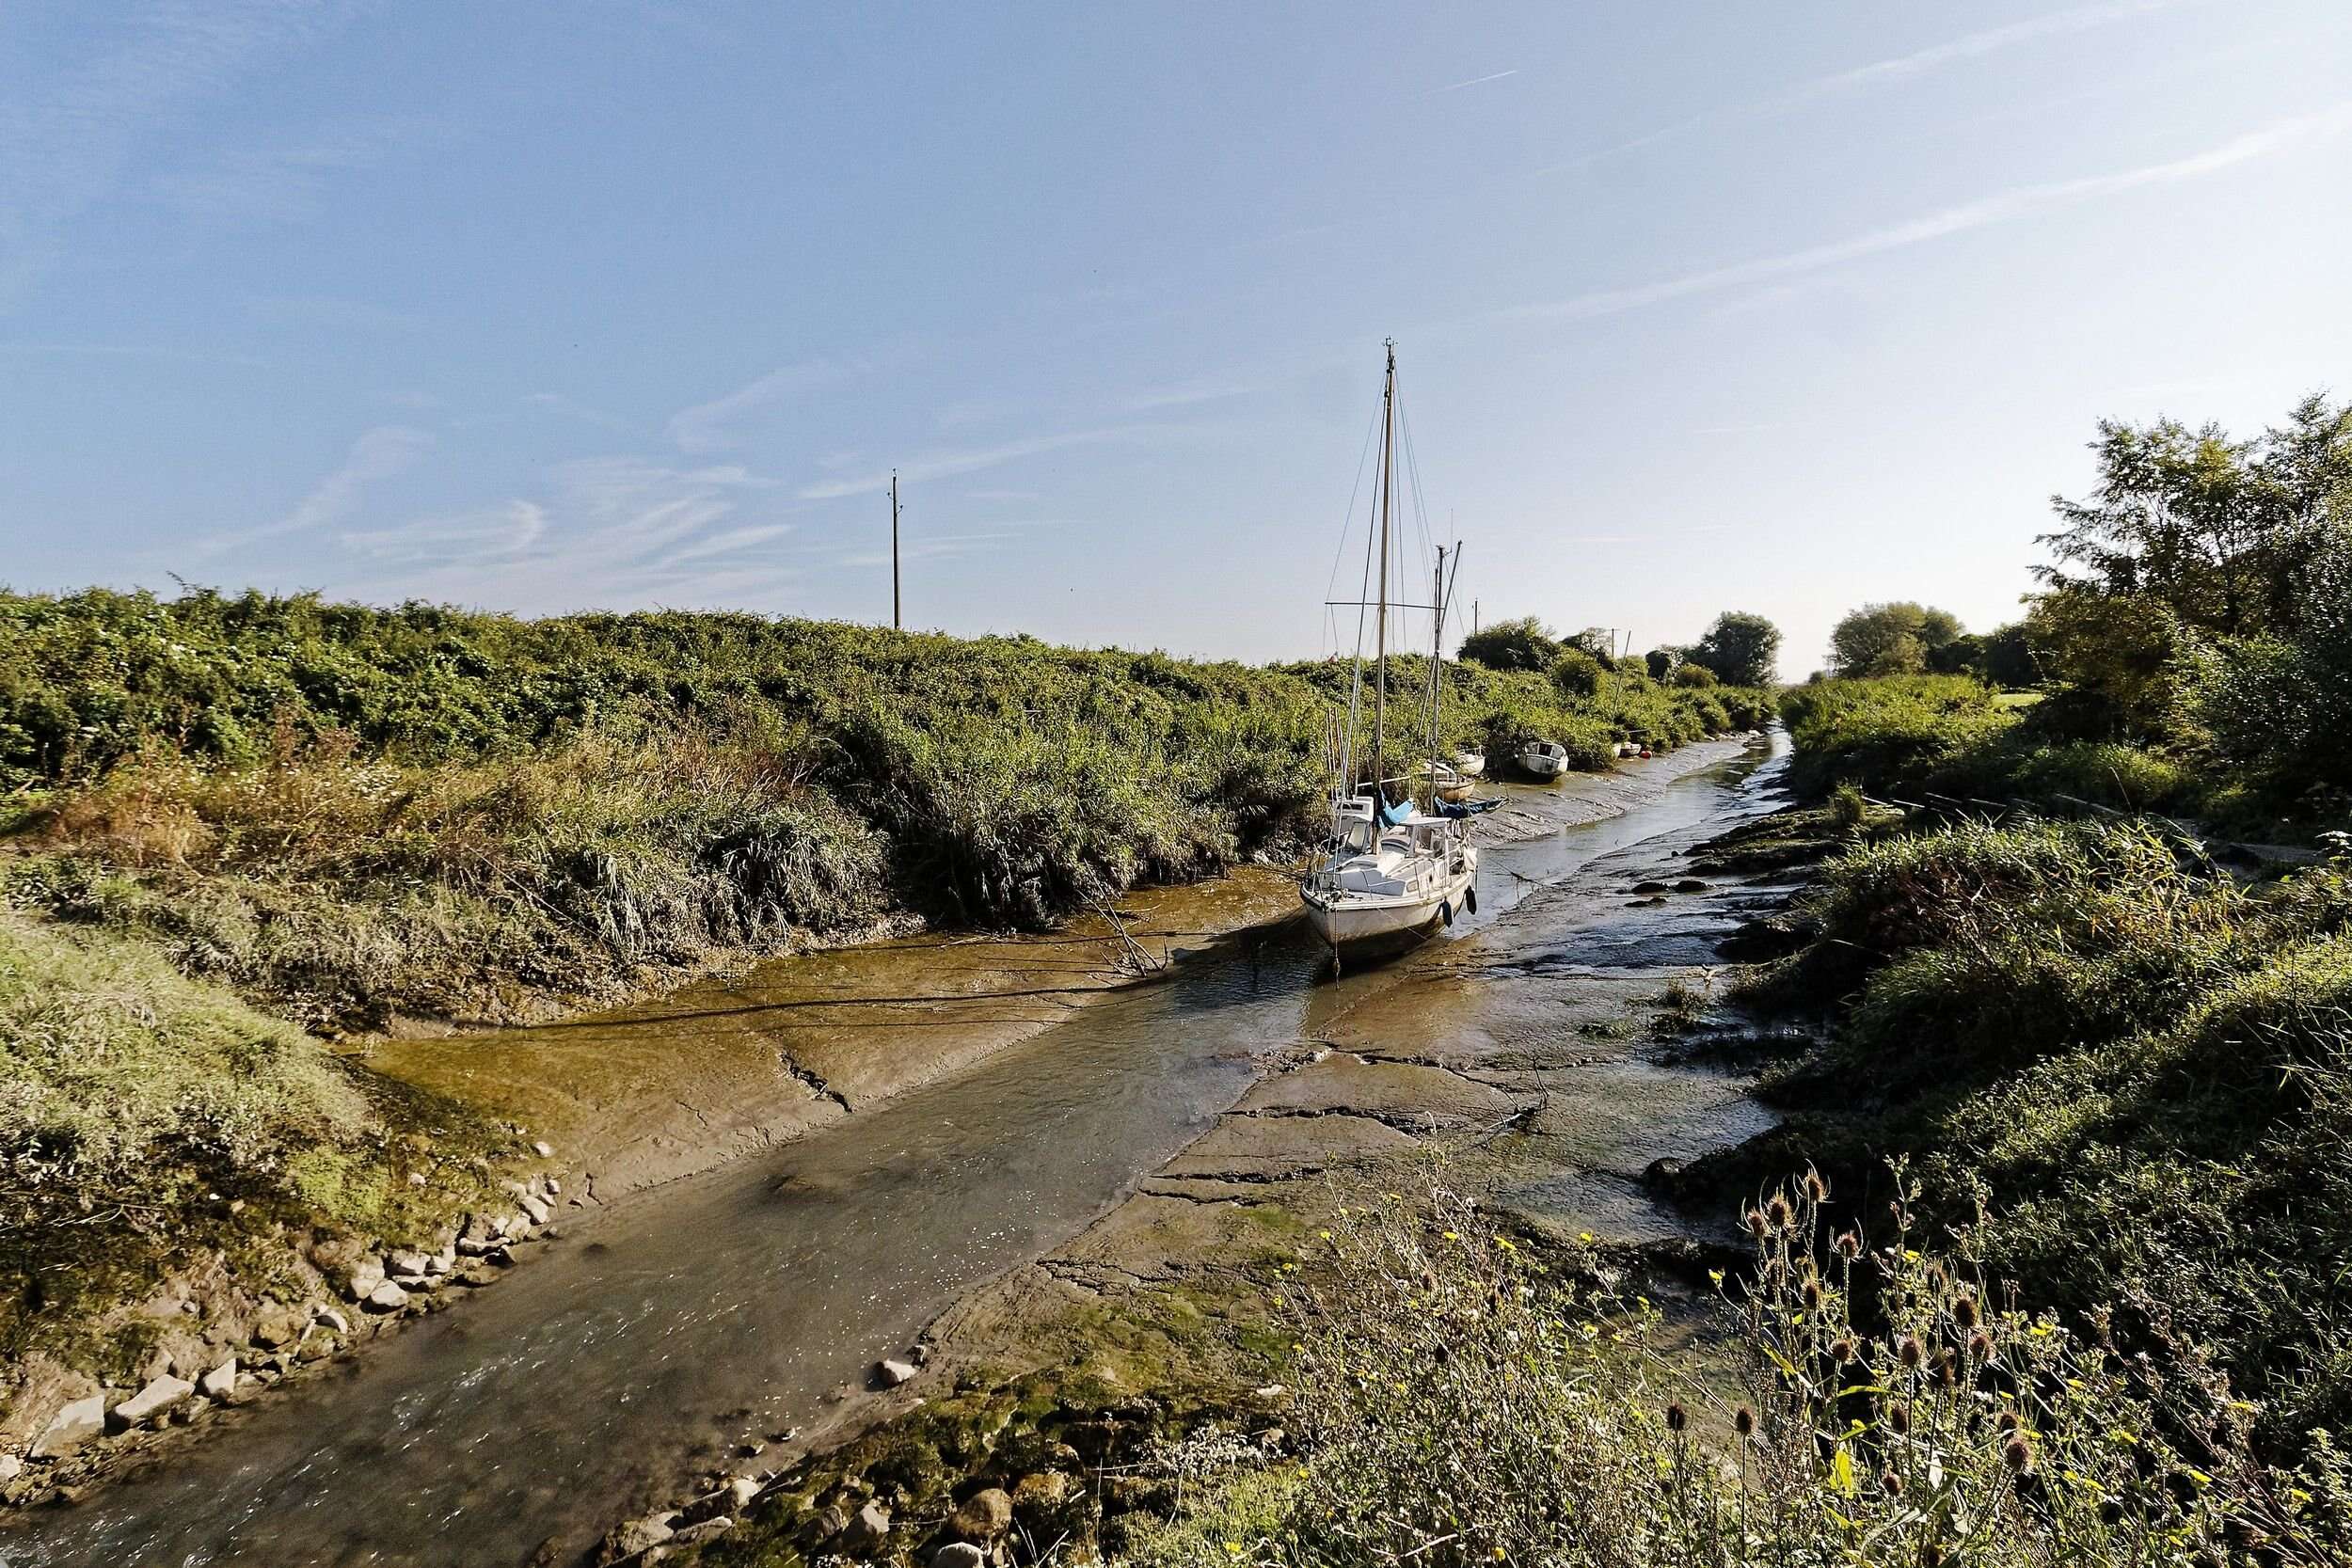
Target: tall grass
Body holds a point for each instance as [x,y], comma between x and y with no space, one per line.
[1464,1401]
[2149,1063]
[146,1118]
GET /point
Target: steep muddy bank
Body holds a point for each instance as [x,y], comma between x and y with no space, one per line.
[529,1413]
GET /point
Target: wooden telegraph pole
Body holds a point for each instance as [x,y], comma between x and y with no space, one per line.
[896,623]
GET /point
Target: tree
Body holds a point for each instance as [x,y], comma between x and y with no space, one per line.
[1576,673]
[1525,644]
[1694,674]
[1600,643]
[1739,648]
[1900,638]
[2215,530]
[1661,662]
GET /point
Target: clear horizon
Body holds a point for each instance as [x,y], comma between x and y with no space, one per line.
[616,306]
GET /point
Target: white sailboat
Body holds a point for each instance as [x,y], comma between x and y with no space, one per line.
[1390,868]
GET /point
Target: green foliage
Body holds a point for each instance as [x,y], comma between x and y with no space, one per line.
[136,1105]
[1741,648]
[1660,663]
[1525,644]
[1465,1401]
[2142,1070]
[1698,676]
[1577,674]
[1896,639]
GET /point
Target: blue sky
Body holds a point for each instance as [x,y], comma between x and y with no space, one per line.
[1698,306]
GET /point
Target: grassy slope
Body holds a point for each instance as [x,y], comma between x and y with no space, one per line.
[338,815]
[2141,1068]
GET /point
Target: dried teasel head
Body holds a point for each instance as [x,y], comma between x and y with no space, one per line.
[2008,1422]
[1909,1352]
[1849,1245]
[1899,1419]
[1891,1484]
[1844,1350]
[1814,1295]
[2017,1454]
[1814,1188]
[1948,1368]
[1778,1211]
[1965,1311]
[1743,1422]
[1980,1345]
[1677,1418]
[1759,1226]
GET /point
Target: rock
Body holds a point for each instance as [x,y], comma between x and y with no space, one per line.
[10,1468]
[416,1178]
[407,1262]
[638,1535]
[159,1396]
[889,1374]
[1689,884]
[1651,886]
[1662,1172]
[1041,1489]
[543,1150]
[221,1381]
[707,1529]
[387,1297]
[867,1526]
[71,1427]
[364,1278]
[439,1263]
[413,1282]
[733,1498]
[960,1554]
[552,1187]
[830,1521]
[983,1515]
[276,1328]
[473,1247]
[330,1317]
[535,1208]
[920,1356]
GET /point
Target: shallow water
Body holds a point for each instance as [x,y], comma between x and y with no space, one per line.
[538,1412]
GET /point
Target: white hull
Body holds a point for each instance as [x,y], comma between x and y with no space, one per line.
[1343,918]
[1544,768]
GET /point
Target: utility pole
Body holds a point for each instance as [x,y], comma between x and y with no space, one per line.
[896,623]
[1474,617]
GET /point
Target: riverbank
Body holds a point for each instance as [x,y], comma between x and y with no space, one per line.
[1543,1063]
[731,1067]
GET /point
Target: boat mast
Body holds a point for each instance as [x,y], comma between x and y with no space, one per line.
[1380,636]
[1437,666]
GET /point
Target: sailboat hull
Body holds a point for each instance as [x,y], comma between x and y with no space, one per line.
[1354,920]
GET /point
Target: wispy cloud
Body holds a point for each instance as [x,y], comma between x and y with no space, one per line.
[67,141]
[1989,211]
[943,465]
[1898,68]
[938,546]
[1184,394]
[379,454]
[718,424]
[285,176]
[476,538]
[335,313]
[1473,82]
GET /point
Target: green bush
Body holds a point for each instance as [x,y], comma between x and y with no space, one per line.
[1466,1399]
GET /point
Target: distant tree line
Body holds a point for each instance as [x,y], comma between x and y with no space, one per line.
[2198,599]
[1740,649]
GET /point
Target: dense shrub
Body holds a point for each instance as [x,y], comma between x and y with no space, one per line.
[1464,1400]
[2147,1065]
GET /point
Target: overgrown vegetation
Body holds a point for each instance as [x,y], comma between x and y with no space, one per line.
[2127,1075]
[1466,1400]
[145,1117]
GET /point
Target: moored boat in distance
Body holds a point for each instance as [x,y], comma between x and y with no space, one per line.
[1470,764]
[1542,759]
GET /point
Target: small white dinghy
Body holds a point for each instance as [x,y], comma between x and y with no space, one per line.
[1470,765]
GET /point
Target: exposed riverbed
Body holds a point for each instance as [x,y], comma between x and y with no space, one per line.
[592,1380]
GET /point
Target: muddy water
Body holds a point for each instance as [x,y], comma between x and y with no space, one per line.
[533,1415]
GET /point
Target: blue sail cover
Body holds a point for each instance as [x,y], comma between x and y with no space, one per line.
[1464,808]
[1396,816]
